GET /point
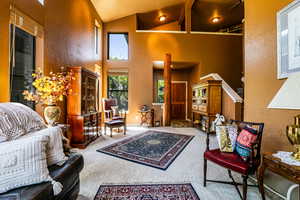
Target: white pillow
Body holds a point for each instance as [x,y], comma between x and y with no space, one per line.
[55,151]
[23,162]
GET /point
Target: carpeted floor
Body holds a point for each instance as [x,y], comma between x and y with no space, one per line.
[102,169]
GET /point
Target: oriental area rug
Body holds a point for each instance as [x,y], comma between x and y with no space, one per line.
[147,192]
[152,148]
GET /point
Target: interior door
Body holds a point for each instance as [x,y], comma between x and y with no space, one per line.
[178,101]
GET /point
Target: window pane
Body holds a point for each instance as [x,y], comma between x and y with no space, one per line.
[118,89]
[118,46]
[160,91]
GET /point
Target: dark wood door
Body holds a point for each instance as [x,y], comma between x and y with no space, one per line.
[178,100]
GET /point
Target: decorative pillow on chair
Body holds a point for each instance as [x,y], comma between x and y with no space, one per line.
[115,110]
[244,141]
[23,162]
[226,136]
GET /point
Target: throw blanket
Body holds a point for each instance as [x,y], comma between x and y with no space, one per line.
[17,119]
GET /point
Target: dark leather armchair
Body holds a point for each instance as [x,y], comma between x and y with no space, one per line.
[233,162]
[67,175]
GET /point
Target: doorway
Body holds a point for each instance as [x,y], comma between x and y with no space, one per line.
[179,105]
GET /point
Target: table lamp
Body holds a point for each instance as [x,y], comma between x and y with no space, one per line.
[288,97]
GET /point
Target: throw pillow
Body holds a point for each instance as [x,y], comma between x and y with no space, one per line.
[115,110]
[226,136]
[17,120]
[244,141]
[55,151]
[23,162]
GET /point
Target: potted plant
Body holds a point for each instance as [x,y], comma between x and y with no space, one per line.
[49,90]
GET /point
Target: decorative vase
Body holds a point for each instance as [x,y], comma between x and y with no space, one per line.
[52,114]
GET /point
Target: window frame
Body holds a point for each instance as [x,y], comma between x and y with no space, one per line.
[108,46]
[118,90]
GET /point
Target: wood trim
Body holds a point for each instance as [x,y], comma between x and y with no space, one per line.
[167,91]
[25,23]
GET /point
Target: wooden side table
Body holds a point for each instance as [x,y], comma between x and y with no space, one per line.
[147,117]
[275,165]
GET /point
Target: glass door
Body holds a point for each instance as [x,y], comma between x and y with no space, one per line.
[22,64]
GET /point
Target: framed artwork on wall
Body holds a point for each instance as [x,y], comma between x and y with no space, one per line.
[288,40]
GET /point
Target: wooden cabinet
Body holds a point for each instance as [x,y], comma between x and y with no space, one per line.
[206,103]
[83,107]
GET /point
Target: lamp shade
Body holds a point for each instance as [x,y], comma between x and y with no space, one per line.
[288,97]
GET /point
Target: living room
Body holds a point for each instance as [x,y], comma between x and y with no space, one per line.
[131,80]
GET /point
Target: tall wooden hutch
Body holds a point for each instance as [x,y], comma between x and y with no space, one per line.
[83,113]
[206,103]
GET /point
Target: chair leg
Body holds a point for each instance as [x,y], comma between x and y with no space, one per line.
[204,172]
[111,130]
[105,129]
[125,129]
[245,184]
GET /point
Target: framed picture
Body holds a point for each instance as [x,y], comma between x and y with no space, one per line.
[288,36]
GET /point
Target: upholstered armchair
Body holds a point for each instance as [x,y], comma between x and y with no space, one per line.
[233,162]
[112,117]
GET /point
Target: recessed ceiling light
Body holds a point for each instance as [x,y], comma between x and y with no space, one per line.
[162,18]
[216,20]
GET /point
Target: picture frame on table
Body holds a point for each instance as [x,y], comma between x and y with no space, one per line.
[288,40]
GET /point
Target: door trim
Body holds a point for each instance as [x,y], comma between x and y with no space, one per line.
[186,97]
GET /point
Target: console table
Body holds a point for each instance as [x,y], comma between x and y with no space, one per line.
[275,165]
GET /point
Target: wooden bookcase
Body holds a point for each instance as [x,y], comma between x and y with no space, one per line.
[206,103]
[83,107]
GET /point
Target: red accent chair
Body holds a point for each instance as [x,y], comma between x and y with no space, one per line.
[110,120]
[233,162]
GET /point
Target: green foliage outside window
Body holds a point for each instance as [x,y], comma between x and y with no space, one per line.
[118,89]
[160,91]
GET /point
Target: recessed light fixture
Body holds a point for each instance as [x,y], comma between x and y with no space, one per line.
[216,20]
[162,18]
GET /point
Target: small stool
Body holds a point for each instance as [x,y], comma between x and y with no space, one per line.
[114,124]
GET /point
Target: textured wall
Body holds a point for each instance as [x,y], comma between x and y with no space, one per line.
[261,83]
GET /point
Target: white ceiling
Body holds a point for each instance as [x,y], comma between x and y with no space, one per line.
[110,10]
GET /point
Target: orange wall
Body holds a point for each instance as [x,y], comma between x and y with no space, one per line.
[4,48]
[69,35]
[215,53]
[261,83]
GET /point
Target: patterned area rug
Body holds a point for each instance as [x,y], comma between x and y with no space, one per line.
[147,192]
[152,148]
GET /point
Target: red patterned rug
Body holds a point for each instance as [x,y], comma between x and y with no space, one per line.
[152,148]
[147,192]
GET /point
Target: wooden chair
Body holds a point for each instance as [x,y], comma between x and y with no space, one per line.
[233,162]
[110,120]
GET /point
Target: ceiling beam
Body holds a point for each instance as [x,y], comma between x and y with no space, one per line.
[188,15]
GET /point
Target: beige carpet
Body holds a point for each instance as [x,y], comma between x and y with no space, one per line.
[187,168]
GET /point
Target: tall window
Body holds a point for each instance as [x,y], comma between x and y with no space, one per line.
[98,41]
[22,65]
[117,46]
[118,89]
[41,2]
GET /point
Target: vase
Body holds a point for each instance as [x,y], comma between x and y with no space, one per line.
[52,114]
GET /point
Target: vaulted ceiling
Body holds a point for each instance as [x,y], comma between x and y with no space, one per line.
[110,10]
